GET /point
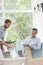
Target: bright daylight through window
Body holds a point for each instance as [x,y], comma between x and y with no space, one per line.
[21,14]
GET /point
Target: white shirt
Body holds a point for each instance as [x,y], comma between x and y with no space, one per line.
[33,42]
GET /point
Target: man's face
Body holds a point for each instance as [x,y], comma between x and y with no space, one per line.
[7,25]
[34,33]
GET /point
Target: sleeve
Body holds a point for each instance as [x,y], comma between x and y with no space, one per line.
[1,34]
[1,39]
[25,41]
[38,46]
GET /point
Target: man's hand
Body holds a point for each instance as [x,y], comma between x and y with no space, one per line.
[30,47]
[9,46]
[4,43]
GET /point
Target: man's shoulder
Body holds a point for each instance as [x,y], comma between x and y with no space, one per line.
[28,37]
[38,38]
[1,28]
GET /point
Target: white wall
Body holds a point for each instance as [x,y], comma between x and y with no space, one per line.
[38,19]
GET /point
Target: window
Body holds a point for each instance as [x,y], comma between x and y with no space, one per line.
[17,4]
[21,14]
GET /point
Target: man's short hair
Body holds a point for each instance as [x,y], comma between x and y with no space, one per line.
[35,29]
[7,21]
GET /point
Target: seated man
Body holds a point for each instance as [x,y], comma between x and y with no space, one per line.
[33,42]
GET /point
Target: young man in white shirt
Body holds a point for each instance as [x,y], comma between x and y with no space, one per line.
[32,45]
[33,42]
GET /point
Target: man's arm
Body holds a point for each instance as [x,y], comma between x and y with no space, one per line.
[26,44]
[3,43]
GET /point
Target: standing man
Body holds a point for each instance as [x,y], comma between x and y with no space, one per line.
[3,29]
